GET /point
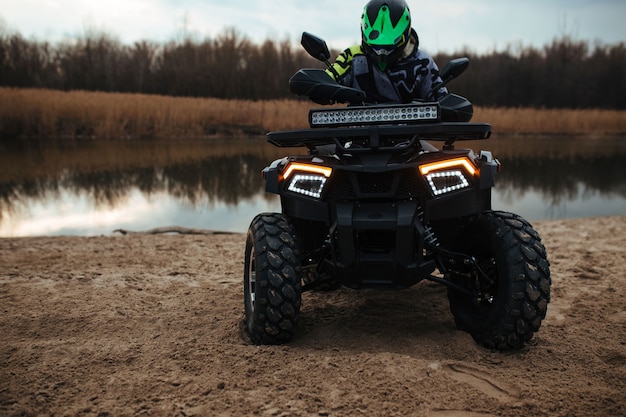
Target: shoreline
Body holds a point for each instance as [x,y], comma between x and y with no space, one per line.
[174,230]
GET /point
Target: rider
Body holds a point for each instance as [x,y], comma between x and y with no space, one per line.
[388,64]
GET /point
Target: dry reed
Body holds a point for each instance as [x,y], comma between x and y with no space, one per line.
[553,121]
[37,112]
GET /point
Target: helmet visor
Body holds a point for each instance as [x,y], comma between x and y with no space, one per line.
[384,50]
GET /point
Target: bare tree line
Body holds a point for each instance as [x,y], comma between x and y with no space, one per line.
[564,74]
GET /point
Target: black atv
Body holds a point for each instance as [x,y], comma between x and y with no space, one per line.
[375,205]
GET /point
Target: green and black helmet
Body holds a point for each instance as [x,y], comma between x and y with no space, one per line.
[385,30]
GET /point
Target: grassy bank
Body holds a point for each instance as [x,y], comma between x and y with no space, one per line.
[34,112]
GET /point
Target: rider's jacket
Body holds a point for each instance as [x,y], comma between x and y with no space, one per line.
[410,78]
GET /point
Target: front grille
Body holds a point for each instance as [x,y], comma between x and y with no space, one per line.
[379,183]
[397,185]
[409,185]
[340,187]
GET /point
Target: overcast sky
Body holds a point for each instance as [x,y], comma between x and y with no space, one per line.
[443,26]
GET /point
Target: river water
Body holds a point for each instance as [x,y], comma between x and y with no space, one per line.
[92,187]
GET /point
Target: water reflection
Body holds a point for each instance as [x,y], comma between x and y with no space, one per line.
[94,187]
[552,178]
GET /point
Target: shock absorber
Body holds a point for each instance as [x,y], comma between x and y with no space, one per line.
[432,247]
[429,235]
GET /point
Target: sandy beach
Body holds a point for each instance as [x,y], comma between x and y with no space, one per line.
[152,325]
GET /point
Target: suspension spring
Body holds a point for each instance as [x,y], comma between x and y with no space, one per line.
[429,235]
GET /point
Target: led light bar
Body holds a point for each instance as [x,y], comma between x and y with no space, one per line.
[368,115]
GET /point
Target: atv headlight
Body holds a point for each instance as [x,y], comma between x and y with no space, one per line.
[447,176]
[309,185]
[306,179]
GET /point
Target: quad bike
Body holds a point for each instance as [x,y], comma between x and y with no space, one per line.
[375,205]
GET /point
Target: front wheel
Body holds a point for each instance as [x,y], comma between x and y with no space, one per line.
[511,283]
[272,288]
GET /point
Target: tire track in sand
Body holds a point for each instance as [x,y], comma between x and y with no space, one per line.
[483,382]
